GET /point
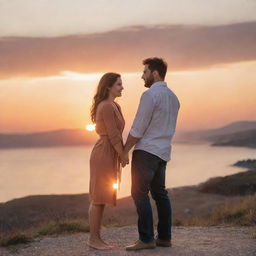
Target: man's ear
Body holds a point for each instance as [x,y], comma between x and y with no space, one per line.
[155,74]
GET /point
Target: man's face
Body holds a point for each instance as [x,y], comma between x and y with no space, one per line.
[147,76]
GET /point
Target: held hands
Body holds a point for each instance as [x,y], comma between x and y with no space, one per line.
[124,159]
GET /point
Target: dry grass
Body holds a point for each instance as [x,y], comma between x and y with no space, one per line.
[15,238]
[243,214]
[51,228]
[63,227]
[240,214]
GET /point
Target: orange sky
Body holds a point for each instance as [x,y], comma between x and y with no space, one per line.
[209,98]
[49,71]
[185,47]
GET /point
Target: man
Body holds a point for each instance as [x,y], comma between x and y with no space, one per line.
[151,133]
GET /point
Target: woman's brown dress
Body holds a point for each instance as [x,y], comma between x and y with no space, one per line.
[105,167]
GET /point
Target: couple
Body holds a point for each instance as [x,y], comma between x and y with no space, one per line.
[151,133]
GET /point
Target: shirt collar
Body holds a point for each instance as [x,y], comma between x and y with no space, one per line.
[159,83]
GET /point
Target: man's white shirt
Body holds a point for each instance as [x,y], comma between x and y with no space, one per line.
[155,120]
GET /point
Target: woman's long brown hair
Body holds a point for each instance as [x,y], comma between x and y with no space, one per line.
[106,81]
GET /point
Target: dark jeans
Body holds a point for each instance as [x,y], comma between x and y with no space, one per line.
[148,174]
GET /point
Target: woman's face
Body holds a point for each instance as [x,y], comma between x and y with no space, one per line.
[116,89]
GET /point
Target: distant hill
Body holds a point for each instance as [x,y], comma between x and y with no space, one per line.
[69,137]
[248,163]
[214,135]
[237,139]
[243,183]
[234,127]
[63,137]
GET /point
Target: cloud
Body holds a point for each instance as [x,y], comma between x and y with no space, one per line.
[63,17]
[184,47]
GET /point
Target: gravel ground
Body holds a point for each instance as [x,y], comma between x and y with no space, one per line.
[197,241]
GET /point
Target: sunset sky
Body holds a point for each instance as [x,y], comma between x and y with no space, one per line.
[53,53]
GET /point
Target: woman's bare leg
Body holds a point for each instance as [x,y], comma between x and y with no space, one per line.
[95,218]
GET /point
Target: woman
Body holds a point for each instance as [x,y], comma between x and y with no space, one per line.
[106,154]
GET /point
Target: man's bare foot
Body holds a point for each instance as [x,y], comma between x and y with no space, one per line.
[98,244]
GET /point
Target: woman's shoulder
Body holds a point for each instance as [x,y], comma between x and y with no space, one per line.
[109,104]
[105,103]
[105,106]
[117,104]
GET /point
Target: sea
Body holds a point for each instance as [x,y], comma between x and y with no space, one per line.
[65,170]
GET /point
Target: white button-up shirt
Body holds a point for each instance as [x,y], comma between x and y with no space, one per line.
[155,120]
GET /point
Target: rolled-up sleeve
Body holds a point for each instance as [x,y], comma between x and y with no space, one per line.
[112,130]
[143,115]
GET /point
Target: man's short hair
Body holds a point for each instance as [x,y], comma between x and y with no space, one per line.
[157,64]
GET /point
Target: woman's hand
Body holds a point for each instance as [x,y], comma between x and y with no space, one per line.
[124,159]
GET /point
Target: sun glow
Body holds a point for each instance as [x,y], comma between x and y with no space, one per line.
[115,186]
[90,127]
[81,77]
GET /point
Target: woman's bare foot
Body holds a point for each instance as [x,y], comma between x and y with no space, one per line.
[109,245]
[98,244]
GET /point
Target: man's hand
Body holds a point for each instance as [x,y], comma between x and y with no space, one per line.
[131,141]
[125,159]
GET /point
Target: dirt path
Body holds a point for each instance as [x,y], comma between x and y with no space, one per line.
[190,241]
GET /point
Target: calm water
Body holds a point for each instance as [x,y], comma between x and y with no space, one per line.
[65,170]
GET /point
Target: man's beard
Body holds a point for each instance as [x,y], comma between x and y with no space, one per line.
[149,81]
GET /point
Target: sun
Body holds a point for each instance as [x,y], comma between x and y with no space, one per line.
[115,186]
[90,127]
